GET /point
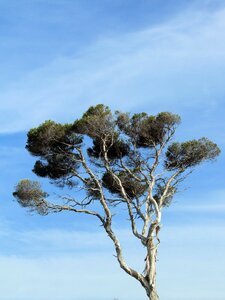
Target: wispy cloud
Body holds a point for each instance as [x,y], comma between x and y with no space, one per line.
[203,202]
[64,265]
[82,272]
[180,63]
[66,278]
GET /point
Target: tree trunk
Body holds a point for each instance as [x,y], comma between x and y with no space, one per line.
[153,295]
[152,256]
[150,269]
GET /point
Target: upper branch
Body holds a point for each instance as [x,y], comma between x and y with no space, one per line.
[124,194]
[58,208]
[98,184]
[168,185]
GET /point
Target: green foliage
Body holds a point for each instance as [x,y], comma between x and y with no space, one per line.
[132,187]
[50,135]
[115,150]
[98,110]
[148,131]
[115,137]
[57,166]
[191,153]
[54,144]
[29,194]
[98,124]
[92,189]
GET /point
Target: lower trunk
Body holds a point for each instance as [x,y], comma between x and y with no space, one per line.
[151,274]
[153,294]
[150,269]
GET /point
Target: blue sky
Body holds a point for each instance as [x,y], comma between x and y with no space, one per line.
[59,57]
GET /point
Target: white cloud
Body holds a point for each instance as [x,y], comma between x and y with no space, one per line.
[180,63]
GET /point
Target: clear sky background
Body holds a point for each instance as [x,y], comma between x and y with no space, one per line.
[57,58]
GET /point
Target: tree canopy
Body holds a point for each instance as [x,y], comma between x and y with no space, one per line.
[116,159]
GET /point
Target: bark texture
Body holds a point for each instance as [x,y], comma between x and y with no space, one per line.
[153,295]
[151,259]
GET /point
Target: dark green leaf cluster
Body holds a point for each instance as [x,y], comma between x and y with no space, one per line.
[92,189]
[29,194]
[148,131]
[54,144]
[98,123]
[115,150]
[117,140]
[132,187]
[191,153]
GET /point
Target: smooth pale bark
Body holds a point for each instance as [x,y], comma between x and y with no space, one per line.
[153,295]
[152,272]
[151,259]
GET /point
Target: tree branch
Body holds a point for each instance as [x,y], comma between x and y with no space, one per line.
[128,201]
[107,211]
[58,208]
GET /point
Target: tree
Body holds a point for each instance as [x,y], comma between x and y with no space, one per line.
[132,162]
